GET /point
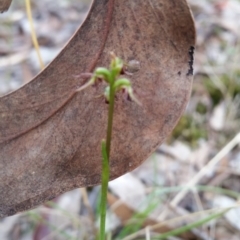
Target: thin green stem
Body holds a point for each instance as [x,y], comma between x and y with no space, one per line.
[106,147]
[110,118]
[105,179]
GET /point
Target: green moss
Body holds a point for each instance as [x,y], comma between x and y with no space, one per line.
[215,94]
[231,87]
[201,108]
[188,130]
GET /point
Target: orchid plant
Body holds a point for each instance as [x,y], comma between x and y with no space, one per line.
[115,83]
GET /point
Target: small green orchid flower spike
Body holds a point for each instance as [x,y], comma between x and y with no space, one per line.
[110,77]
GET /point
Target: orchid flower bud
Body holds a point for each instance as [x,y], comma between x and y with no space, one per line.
[121,83]
[103,73]
[107,93]
[116,65]
[132,96]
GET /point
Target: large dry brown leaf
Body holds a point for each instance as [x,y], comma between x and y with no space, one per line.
[50,137]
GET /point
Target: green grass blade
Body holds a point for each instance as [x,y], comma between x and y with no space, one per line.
[190,226]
